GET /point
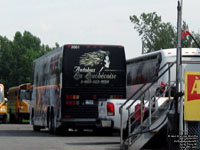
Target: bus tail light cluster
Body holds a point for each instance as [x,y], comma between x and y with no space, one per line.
[110,109]
[72,100]
[72,97]
[116,96]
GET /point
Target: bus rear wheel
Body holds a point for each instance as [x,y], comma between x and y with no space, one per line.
[36,128]
[51,122]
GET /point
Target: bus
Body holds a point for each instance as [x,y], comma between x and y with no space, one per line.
[19,103]
[71,81]
[3,105]
[145,68]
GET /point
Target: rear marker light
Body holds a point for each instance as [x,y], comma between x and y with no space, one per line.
[67,116]
[72,97]
[116,96]
[94,97]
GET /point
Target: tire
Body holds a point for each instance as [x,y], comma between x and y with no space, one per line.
[51,122]
[11,117]
[36,128]
[59,131]
[20,120]
[4,120]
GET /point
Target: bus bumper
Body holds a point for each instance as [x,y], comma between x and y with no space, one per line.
[88,123]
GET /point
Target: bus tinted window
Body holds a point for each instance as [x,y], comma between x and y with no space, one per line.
[143,70]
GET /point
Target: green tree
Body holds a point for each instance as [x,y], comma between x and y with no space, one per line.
[155,34]
[158,35]
[25,49]
[17,56]
[5,56]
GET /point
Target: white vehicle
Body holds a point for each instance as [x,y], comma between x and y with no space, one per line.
[109,110]
[144,69]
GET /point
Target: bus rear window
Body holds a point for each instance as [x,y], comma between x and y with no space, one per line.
[94,66]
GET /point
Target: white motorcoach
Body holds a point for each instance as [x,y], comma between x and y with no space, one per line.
[145,68]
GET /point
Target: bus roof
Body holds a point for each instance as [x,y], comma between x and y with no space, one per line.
[172,52]
[75,45]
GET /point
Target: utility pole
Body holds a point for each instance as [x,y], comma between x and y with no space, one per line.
[173,116]
[179,84]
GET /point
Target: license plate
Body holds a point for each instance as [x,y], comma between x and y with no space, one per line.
[106,123]
[89,102]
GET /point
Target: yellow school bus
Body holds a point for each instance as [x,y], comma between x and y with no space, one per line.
[18,102]
[3,105]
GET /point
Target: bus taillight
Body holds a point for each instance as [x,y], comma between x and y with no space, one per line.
[72,100]
[110,109]
[72,103]
[88,46]
[94,97]
[72,97]
[67,116]
[116,96]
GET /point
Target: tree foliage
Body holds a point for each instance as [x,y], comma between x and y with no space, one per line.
[17,56]
[158,35]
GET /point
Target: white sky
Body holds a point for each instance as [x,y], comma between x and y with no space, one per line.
[89,21]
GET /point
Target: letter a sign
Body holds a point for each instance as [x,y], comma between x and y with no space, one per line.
[192,96]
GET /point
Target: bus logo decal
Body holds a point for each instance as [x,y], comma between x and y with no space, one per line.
[96,58]
[94,68]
